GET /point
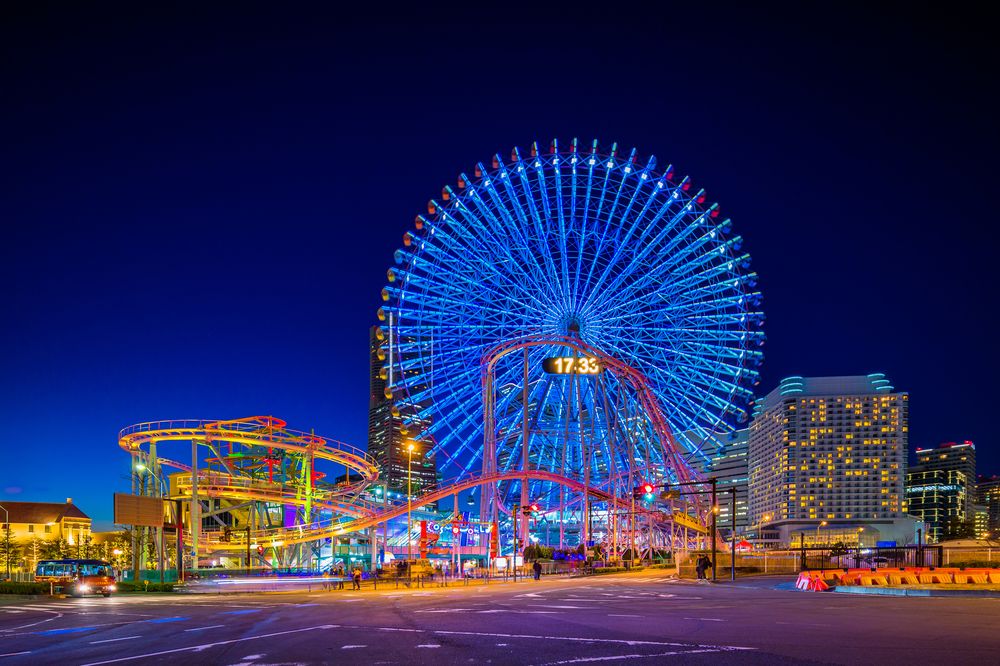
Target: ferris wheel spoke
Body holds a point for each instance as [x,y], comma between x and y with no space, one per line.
[573,243]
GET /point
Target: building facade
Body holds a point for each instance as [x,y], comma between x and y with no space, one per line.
[388,443]
[988,495]
[724,458]
[937,497]
[31,525]
[828,455]
[941,490]
[949,456]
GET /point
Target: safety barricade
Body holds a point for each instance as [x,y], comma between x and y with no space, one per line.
[939,576]
[963,578]
[903,579]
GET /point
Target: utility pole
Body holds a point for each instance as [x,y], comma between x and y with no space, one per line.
[732,537]
[715,512]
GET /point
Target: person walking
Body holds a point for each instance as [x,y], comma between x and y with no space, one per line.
[356,574]
[699,567]
[537,568]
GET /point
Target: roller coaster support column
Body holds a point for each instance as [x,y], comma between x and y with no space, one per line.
[195,507]
[524,446]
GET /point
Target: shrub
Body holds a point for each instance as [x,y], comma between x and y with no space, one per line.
[24,588]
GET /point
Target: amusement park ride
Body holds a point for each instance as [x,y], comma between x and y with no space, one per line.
[561,329]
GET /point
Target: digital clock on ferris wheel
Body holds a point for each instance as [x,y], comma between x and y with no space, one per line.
[571,365]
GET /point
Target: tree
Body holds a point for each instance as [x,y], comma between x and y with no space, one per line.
[10,550]
[54,549]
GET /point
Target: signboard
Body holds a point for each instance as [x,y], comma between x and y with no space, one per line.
[138,510]
[689,522]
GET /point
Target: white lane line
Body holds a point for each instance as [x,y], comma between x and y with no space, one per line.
[211,626]
[621,615]
[351,647]
[619,657]
[14,654]
[445,610]
[113,640]
[549,606]
[578,639]
[429,645]
[205,646]
[705,619]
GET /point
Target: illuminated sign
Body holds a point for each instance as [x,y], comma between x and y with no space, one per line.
[571,365]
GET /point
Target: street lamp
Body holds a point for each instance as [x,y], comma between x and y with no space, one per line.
[760,525]
[822,523]
[409,505]
[860,530]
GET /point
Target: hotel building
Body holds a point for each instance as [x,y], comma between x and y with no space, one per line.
[827,461]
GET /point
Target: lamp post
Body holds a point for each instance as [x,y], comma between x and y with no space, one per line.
[822,523]
[760,525]
[409,506]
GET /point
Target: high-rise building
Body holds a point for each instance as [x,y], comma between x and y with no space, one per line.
[980,521]
[938,498]
[827,460]
[724,457]
[951,456]
[388,443]
[988,495]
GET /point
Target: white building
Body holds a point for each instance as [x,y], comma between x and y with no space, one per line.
[827,461]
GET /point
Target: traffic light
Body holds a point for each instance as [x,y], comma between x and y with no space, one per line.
[260,550]
[534,507]
[644,492]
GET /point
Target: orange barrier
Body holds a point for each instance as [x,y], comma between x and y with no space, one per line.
[873,579]
[903,579]
[809,580]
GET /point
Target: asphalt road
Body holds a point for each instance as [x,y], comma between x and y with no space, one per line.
[607,619]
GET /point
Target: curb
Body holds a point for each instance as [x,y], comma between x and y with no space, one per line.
[910,592]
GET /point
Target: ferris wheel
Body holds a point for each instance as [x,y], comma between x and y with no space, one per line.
[569,243]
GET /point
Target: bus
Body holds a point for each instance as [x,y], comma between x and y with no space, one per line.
[78,577]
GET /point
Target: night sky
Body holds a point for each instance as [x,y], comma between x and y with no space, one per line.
[199,206]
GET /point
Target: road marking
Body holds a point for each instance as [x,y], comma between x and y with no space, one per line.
[14,654]
[71,630]
[505,610]
[205,646]
[548,606]
[446,610]
[617,615]
[112,640]
[351,647]
[619,657]
[705,619]
[241,612]
[429,645]
[577,639]
[211,626]
[162,620]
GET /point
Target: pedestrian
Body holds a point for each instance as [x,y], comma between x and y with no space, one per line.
[357,578]
[699,567]
[537,568]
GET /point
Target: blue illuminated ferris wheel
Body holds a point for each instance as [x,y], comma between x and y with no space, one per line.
[569,242]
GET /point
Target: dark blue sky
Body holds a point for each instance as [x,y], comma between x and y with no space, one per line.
[199,205]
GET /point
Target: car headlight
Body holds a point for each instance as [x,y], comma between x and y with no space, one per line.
[83,587]
[112,587]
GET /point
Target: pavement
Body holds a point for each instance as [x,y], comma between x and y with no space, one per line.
[611,619]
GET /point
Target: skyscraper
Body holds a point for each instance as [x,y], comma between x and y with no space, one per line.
[951,456]
[827,460]
[988,495]
[387,440]
[724,457]
[938,498]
